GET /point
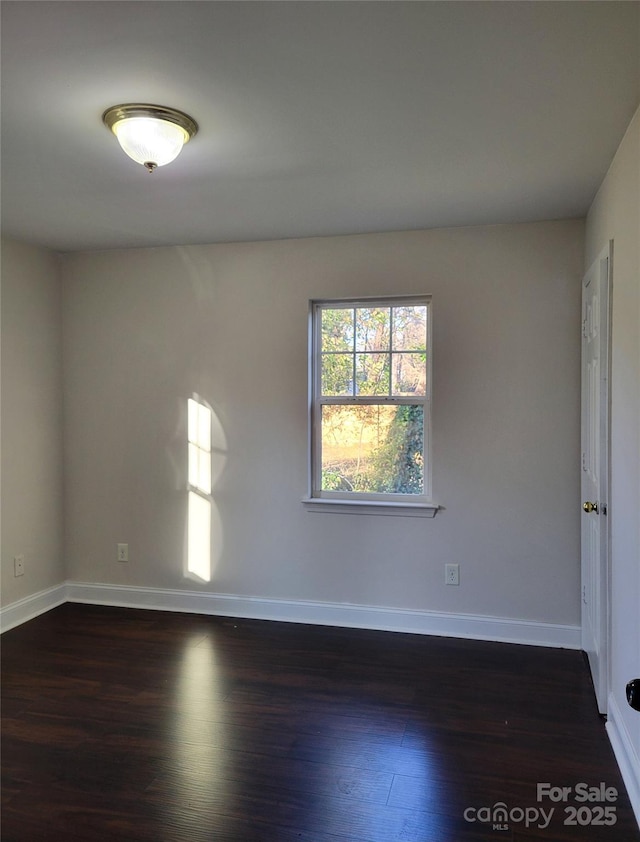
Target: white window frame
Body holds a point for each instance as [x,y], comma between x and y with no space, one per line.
[353,501]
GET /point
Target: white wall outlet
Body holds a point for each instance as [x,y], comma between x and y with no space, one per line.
[452,574]
[123,552]
[18,565]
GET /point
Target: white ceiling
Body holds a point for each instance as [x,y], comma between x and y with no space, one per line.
[316,118]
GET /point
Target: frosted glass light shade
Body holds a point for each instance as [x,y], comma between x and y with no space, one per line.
[148,140]
[152,135]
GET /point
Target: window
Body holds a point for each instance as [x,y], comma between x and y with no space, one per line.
[371,401]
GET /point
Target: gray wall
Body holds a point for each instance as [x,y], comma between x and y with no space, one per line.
[144,329]
[31,420]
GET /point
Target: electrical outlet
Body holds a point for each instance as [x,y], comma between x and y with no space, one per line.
[123,552]
[452,574]
[18,565]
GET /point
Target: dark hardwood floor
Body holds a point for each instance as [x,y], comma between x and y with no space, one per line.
[120,724]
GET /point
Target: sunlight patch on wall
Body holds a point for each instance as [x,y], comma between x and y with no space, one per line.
[199,432]
[205,440]
[199,537]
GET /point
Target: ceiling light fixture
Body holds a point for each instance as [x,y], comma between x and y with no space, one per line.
[150,134]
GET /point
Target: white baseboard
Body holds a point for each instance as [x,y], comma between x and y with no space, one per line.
[626,754]
[31,606]
[470,626]
[330,614]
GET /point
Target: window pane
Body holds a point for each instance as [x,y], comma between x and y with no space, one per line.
[410,328]
[337,374]
[372,374]
[372,328]
[337,329]
[409,374]
[373,449]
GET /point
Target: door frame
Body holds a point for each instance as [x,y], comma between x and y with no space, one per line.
[601,676]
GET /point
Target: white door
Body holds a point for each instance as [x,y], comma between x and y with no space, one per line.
[595,471]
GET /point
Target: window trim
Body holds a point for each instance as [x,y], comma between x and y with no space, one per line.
[361,502]
[371,507]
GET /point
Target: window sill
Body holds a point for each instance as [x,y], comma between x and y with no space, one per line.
[370,507]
